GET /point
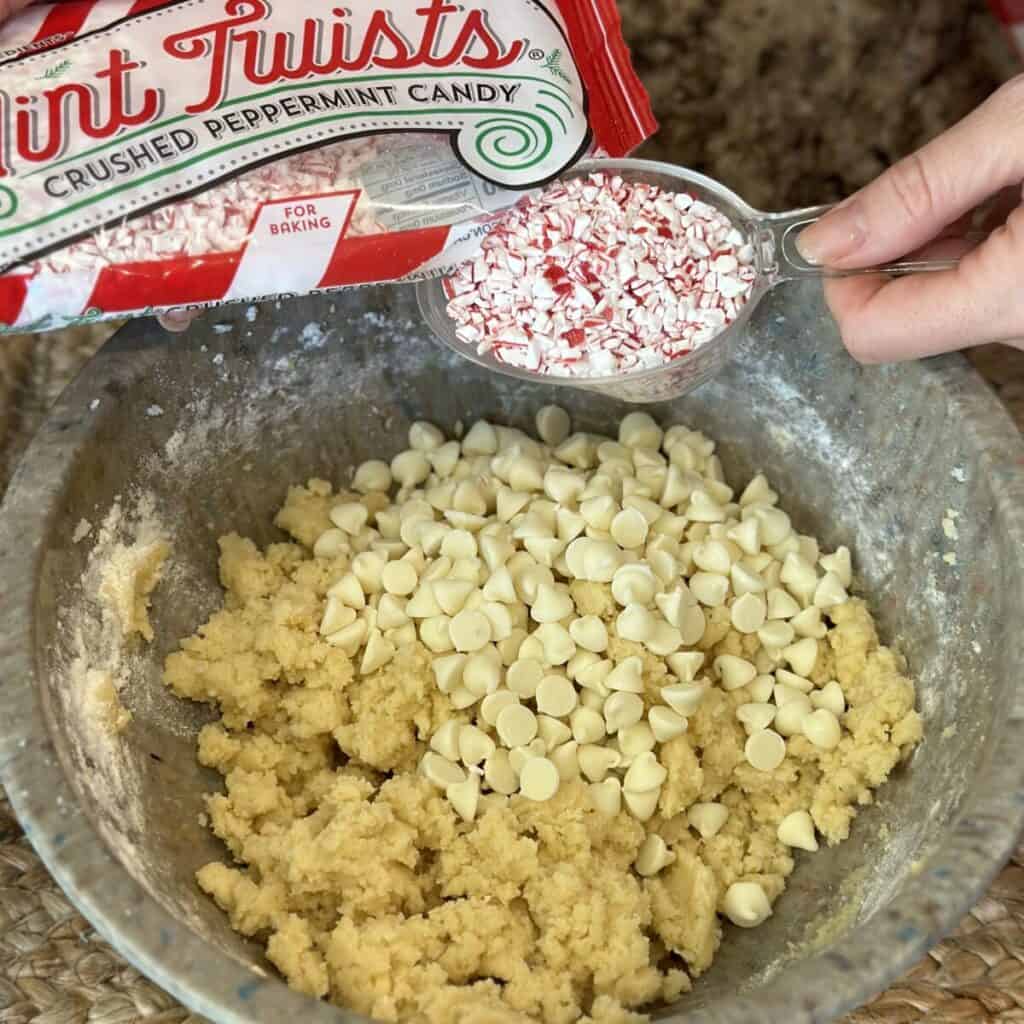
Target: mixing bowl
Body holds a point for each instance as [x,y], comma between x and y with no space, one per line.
[201,435]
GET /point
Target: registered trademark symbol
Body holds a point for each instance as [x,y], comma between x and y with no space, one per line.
[536,54]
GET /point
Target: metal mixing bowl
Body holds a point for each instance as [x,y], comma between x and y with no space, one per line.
[212,428]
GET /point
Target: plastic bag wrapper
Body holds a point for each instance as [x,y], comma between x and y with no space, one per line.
[157,155]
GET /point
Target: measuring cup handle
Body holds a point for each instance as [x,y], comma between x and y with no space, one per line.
[783,259]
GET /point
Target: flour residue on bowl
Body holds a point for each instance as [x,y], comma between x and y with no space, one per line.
[107,626]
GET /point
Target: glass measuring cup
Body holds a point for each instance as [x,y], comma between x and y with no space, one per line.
[776,260]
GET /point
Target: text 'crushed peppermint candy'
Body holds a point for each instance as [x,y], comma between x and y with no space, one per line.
[600,276]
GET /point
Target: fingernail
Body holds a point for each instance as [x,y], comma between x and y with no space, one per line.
[836,237]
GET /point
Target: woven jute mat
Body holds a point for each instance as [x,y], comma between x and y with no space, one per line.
[789,103]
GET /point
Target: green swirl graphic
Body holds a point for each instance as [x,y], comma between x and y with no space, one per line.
[511,142]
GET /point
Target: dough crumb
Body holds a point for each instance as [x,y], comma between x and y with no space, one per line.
[129,577]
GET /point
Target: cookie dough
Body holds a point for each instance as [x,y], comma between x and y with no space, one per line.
[370,890]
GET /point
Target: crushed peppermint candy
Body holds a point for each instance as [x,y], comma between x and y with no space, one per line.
[600,276]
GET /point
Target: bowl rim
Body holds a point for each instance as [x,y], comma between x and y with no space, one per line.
[223,989]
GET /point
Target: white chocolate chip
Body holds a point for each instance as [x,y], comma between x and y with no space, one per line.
[652,856]
[551,605]
[588,725]
[830,592]
[789,719]
[565,759]
[797,829]
[516,725]
[435,634]
[556,643]
[349,591]
[524,676]
[367,567]
[440,771]
[639,430]
[711,589]
[470,630]
[776,634]
[644,774]
[830,697]
[391,612]
[600,559]
[821,727]
[555,696]
[666,724]
[500,587]
[498,773]
[635,623]
[765,750]
[410,468]
[793,681]
[458,545]
[634,584]
[629,528]
[399,578]
[424,436]
[378,652]
[589,632]
[553,732]
[350,517]
[494,703]
[808,623]
[446,740]
[465,797]
[684,698]
[713,556]
[761,689]
[518,756]
[802,655]
[748,613]
[475,745]
[350,638]
[708,819]
[337,615]
[840,564]
[756,716]
[642,805]
[627,676]
[621,710]
[636,739]
[686,665]
[552,425]
[746,904]
[372,475]
[539,779]
[448,671]
[481,673]
[781,605]
[606,797]
[734,672]
[480,439]
[331,544]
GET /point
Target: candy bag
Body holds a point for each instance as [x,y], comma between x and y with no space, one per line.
[157,155]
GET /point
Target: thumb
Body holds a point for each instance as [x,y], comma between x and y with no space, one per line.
[885,320]
[917,198]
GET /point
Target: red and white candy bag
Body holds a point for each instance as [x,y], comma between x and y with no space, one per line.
[189,153]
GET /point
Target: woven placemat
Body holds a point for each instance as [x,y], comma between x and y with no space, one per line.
[744,91]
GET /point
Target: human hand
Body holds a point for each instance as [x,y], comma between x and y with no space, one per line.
[919,206]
